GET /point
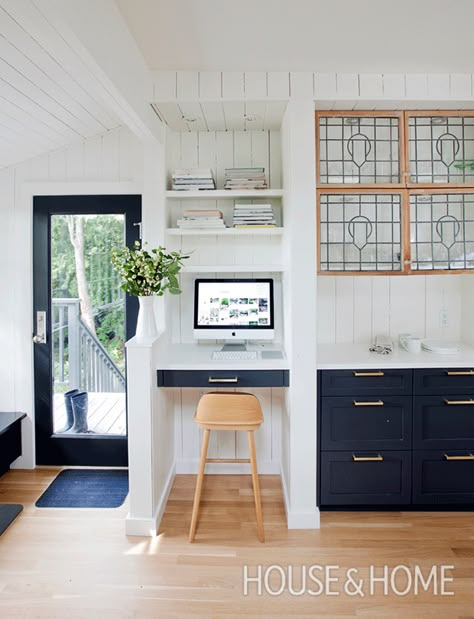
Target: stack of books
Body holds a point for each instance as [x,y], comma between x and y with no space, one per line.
[245,178]
[253,216]
[201,219]
[192,179]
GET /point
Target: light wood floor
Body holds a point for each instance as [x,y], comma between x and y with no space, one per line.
[65,563]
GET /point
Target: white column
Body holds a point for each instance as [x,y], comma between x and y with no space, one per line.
[299,471]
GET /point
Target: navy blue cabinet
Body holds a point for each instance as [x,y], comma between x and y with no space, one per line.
[10,439]
[409,441]
[223,378]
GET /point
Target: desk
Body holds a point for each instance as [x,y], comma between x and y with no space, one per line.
[10,439]
[191,365]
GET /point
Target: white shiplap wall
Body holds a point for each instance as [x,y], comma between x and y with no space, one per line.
[113,157]
[355,309]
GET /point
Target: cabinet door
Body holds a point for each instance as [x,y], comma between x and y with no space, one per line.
[443,381]
[378,478]
[443,477]
[366,423]
[442,422]
[372,382]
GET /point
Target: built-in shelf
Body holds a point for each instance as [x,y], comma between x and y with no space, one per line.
[219,194]
[224,231]
[234,268]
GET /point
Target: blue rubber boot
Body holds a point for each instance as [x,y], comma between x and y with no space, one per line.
[79,409]
[69,414]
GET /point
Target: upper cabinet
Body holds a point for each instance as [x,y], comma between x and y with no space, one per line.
[395,191]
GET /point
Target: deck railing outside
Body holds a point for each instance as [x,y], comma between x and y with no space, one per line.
[80,359]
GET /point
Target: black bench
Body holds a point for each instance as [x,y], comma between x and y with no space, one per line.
[10,439]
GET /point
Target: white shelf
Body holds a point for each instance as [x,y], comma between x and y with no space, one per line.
[219,194]
[234,268]
[224,231]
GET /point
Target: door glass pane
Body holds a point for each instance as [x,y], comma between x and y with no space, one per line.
[88,326]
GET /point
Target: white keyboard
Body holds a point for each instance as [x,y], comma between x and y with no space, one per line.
[234,355]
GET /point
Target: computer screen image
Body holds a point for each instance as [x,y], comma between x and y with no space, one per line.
[233,309]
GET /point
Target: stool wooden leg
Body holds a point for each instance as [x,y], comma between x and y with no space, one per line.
[256,486]
[200,478]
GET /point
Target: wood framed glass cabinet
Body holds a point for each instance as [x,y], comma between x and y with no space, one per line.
[395,192]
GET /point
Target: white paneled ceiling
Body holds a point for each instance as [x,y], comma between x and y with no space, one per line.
[46,97]
[221,115]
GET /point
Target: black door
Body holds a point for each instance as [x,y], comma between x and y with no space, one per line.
[81,320]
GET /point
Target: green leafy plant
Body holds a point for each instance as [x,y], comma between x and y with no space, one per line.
[145,273]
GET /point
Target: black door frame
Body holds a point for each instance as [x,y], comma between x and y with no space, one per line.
[87,450]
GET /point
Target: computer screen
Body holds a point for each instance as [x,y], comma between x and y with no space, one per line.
[233,309]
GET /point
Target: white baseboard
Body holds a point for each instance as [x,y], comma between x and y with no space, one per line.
[148,527]
[191,465]
[298,520]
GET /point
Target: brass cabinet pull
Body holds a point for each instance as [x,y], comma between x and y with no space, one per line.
[232,379]
[377,458]
[460,372]
[454,402]
[368,374]
[466,457]
[373,403]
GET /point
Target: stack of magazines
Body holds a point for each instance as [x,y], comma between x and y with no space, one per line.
[253,216]
[193,219]
[245,178]
[192,179]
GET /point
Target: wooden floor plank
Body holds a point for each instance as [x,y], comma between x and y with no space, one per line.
[59,563]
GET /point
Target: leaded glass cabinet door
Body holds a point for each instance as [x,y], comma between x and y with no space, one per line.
[442,230]
[441,148]
[359,149]
[360,232]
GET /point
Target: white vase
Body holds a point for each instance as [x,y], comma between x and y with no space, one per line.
[146,324]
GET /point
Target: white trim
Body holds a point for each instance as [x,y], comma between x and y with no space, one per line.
[149,526]
[299,520]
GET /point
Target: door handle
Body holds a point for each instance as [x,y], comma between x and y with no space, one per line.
[373,403]
[465,457]
[453,402]
[233,379]
[40,337]
[460,373]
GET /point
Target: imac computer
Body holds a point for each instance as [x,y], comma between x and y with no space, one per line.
[233,310]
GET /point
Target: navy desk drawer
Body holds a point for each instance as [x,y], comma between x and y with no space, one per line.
[443,476]
[358,478]
[444,380]
[442,422]
[223,378]
[366,423]
[366,382]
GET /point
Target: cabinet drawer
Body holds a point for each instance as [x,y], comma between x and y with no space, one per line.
[442,422]
[384,481]
[439,480]
[366,423]
[223,378]
[445,380]
[366,382]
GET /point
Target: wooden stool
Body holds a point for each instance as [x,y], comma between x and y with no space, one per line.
[228,411]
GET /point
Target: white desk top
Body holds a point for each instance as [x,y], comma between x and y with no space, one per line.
[199,357]
[350,356]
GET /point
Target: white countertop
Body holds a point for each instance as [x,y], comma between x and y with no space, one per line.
[199,357]
[350,356]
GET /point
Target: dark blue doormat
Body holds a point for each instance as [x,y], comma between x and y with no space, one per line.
[8,513]
[86,488]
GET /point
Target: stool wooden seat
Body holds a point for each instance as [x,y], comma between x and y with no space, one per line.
[228,411]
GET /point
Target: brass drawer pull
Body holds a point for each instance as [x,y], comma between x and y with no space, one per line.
[373,403]
[368,374]
[460,373]
[466,457]
[461,402]
[377,458]
[232,379]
